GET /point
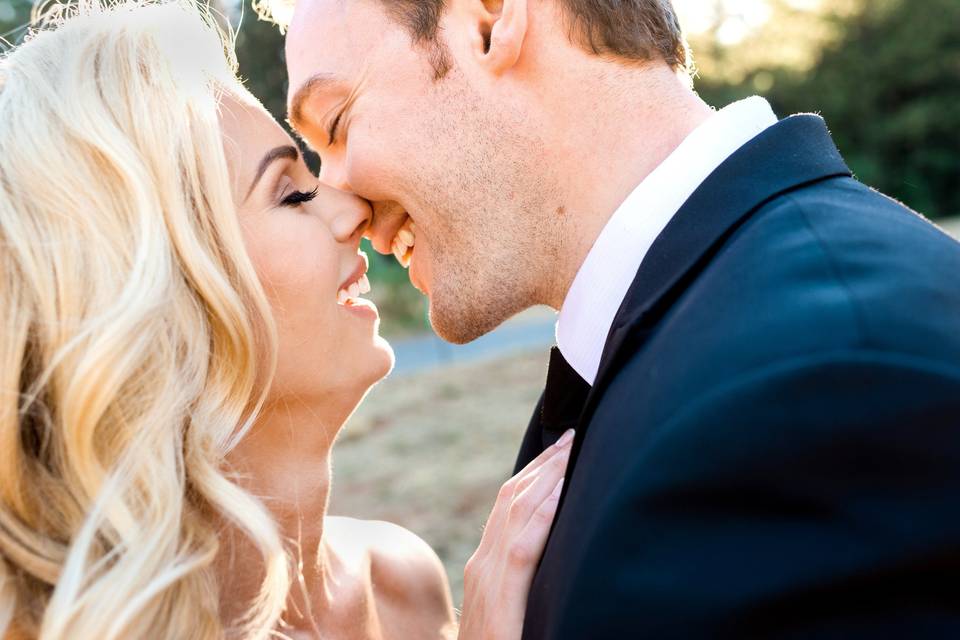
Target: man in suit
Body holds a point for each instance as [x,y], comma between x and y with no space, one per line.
[760,355]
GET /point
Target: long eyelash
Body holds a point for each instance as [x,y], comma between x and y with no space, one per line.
[299,197]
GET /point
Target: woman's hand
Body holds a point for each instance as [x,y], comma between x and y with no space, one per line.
[497,577]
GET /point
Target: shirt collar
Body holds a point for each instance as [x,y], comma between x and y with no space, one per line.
[605,276]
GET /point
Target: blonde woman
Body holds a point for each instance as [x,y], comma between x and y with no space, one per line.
[183,337]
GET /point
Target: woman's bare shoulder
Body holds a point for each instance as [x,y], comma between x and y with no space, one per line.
[408,579]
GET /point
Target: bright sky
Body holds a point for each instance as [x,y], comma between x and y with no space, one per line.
[740,17]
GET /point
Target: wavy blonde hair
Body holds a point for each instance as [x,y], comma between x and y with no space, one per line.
[133,330]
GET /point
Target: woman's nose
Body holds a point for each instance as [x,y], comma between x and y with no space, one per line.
[349,216]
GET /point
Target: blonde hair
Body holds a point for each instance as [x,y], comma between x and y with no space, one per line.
[133,330]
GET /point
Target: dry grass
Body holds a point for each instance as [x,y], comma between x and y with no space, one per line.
[429,451]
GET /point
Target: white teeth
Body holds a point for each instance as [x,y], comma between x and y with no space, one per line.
[354,290]
[400,252]
[403,242]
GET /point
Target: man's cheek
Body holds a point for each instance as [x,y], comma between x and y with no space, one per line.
[369,170]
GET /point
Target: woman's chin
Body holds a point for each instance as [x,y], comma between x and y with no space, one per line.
[384,358]
[377,363]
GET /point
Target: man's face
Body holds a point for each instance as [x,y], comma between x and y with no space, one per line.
[458,157]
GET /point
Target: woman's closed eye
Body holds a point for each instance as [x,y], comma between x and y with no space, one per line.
[297,198]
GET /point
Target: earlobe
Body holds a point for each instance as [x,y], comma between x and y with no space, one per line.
[504,41]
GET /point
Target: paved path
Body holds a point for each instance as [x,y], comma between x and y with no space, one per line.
[527,331]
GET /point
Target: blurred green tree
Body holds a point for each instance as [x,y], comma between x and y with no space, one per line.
[885,75]
[262,62]
[14,16]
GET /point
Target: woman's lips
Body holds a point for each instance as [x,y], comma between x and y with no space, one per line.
[362,307]
[356,283]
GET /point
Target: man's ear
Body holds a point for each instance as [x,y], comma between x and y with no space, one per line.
[504,34]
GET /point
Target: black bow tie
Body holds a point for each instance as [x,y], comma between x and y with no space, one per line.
[563,399]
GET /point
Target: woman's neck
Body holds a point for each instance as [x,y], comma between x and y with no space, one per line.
[285,461]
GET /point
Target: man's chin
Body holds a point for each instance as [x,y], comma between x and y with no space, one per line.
[460,324]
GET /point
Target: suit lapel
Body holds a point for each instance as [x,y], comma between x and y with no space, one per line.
[795,152]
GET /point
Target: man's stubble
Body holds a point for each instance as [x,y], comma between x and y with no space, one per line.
[494,233]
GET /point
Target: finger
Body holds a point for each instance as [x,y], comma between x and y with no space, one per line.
[508,491]
[528,501]
[517,565]
[527,548]
[547,466]
[522,479]
[563,442]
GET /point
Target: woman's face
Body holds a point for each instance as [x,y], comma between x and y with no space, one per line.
[304,239]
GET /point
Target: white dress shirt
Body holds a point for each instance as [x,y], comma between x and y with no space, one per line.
[605,276]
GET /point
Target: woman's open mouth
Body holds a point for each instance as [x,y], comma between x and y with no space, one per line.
[356,284]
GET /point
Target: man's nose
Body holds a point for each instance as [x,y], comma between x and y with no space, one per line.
[332,174]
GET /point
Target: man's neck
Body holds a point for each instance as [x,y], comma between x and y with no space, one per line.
[612,131]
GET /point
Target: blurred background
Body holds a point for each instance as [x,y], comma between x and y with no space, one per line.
[431,445]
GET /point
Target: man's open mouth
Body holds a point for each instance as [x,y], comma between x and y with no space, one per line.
[404,241]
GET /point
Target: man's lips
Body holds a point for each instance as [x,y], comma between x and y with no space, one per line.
[394,232]
[419,269]
[387,221]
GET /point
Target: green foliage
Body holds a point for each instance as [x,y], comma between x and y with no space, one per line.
[262,62]
[888,85]
[403,308]
[14,16]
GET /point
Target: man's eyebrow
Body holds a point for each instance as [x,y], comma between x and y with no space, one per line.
[314,83]
[287,151]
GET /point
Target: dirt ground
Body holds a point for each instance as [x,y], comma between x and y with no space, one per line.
[429,451]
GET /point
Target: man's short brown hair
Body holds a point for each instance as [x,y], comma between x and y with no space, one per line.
[638,30]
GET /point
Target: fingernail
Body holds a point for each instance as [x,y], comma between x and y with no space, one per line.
[566,438]
[557,489]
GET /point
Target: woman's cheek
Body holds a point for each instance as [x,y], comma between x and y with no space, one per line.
[296,270]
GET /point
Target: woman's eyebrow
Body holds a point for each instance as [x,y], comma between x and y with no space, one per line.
[288,152]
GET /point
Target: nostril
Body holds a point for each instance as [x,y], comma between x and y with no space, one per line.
[367,217]
[360,229]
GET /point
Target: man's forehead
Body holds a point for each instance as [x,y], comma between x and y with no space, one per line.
[326,24]
[320,41]
[329,44]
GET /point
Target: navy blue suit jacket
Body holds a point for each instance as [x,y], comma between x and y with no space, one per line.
[772,446]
